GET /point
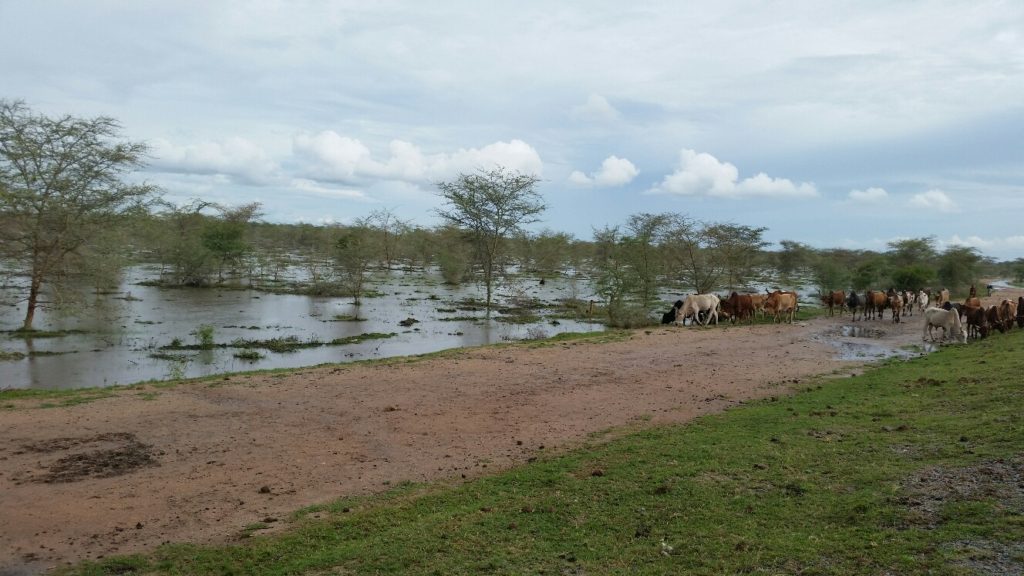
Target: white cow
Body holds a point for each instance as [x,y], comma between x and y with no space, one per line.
[922,301]
[694,305]
[948,320]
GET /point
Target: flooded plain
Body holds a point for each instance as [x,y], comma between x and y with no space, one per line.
[121,337]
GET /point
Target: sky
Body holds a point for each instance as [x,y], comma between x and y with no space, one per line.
[840,124]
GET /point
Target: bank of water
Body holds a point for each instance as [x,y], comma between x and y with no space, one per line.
[113,339]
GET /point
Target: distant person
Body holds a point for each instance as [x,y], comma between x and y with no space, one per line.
[990,288]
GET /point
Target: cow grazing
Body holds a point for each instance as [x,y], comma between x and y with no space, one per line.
[977,323]
[781,304]
[833,300]
[670,316]
[948,320]
[995,319]
[1008,312]
[854,303]
[694,305]
[737,307]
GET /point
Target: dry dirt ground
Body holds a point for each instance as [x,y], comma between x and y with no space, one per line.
[199,461]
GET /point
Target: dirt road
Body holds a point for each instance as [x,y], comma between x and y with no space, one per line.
[198,462]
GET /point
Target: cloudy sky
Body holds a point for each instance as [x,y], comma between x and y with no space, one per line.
[837,124]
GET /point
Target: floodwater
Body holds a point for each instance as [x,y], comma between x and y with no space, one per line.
[871,343]
[120,331]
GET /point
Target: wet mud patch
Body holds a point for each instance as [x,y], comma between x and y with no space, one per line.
[989,557]
[865,342]
[101,456]
[928,492]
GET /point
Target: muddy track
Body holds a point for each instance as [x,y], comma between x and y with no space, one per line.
[198,462]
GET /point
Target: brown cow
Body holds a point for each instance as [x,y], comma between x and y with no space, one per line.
[833,300]
[737,307]
[941,298]
[780,304]
[977,323]
[994,319]
[874,303]
[973,302]
[896,305]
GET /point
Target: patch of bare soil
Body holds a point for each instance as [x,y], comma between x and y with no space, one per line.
[929,491]
[99,456]
[199,462]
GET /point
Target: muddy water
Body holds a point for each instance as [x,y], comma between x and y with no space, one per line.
[871,343]
[120,331]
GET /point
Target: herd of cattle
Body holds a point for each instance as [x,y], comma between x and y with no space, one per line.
[936,307]
[703,308]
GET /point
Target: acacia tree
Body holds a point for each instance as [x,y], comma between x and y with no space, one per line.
[735,247]
[390,230]
[490,205]
[647,232]
[690,249]
[225,237]
[60,186]
[353,254]
[959,267]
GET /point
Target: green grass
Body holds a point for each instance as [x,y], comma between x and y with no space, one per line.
[890,472]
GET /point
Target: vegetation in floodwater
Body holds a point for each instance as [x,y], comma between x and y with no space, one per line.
[362,338]
[204,337]
[518,318]
[282,344]
[8,356]
[910,468]
[346,318]
[248,354]
[30,334]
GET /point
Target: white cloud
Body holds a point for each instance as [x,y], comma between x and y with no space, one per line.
[614,171]
[934,200]
[988,244]
[515,155]
[311,187]
[869,196]
[703,174]
[595,109]
[237,157]
[329,155]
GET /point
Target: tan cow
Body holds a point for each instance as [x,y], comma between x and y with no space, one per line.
[1008,313]
[780,304]
[757,301]
[833,300]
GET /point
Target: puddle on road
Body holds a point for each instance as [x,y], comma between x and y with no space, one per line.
[866,343]
[860,332]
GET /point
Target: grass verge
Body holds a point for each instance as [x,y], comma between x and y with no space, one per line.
[911,468]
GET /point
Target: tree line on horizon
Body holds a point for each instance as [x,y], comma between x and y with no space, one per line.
[69,221]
